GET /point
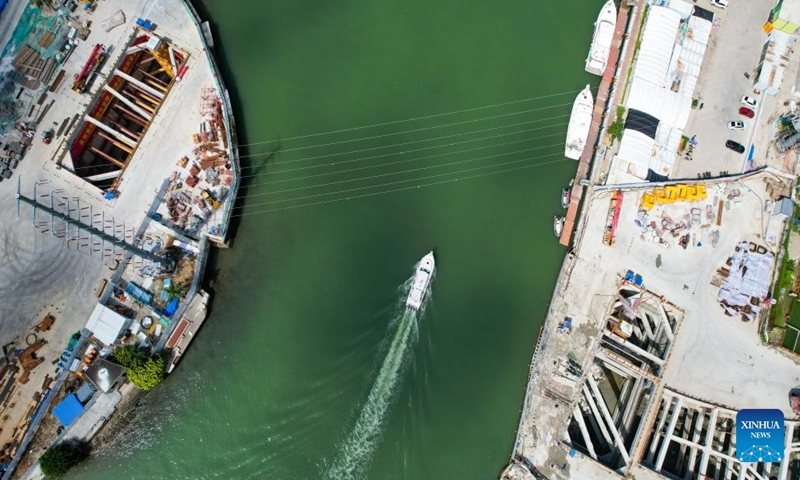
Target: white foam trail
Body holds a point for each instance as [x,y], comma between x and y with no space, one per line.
[353,456]
[359,445]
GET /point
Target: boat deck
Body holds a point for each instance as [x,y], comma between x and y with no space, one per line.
[188,326]
[601,99]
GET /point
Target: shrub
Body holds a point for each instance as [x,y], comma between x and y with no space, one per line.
[149,374]
[615,129]
[129,356]
[58,459]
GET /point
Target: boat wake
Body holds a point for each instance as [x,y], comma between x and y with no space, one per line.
[353,455]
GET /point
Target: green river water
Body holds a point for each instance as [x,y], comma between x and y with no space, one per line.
[307,367]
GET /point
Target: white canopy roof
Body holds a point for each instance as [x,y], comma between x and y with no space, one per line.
[663,83]
[637,148]
[106,325]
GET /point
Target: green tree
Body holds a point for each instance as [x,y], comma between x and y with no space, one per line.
[615,129]
[129,356]
[58,459]
[174,291]
[148,374]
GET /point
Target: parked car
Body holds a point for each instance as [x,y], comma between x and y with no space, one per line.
[719,3]
[735,146]
[737,125]
[749,101]
[746,112]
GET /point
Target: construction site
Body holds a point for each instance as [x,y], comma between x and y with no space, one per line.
[653,341]
[119,174]
[123,108]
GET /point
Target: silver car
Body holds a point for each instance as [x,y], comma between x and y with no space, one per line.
[749,101]
[737,125]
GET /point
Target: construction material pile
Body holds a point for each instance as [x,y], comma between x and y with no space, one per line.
[744,280]
[197,191]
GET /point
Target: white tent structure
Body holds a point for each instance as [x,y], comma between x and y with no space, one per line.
[662,85]
[106,325]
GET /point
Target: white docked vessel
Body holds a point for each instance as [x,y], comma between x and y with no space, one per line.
[566,195]
[579,123]
[601,41]
[558,225]
[422,278]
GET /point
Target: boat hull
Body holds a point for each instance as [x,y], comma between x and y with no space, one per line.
[558,225]
[421,281]
[601,39]
[579,123]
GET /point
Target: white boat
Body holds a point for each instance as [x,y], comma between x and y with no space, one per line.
[579,123]
[601,41]
[566,194]
[558,225]
[422,278]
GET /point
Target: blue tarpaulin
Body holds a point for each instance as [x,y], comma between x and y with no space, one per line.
[171,307]
[68,410]
[139,294]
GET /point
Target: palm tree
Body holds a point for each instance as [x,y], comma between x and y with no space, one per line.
[173,291]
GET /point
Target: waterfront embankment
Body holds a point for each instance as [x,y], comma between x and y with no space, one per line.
[162,113]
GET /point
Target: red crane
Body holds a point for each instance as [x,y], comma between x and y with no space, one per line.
[94,61]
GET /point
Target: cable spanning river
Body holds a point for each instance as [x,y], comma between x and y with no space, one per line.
[377,132]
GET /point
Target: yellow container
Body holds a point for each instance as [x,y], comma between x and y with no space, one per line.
[648,200]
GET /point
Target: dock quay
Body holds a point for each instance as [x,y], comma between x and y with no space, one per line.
[124,180]
[600,112]
[645,357]
[631,322]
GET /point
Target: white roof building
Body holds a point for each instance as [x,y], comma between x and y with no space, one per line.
[773,62]
[106,325]
[662,85]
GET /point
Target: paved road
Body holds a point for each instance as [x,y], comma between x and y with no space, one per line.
[735,48]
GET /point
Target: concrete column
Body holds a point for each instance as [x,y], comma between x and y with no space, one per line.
[115,133]
[668,435]
[604,409]
[127,102]
[712,427]
[138,101]
[596,413]
[683,428]
[104,176]
[632,402]
[587,440]
[693,452]
[665,322]
[134,49]
[145,95]
[114,142]
[124,130]
[664,414]
[633,348]
[787,441]
[147,88]
[650,332]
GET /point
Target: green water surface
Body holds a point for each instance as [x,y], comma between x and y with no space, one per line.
[303,304]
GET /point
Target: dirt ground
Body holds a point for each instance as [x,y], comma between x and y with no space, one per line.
[48,430]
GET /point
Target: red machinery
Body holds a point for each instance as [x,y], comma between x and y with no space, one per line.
[92,64]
